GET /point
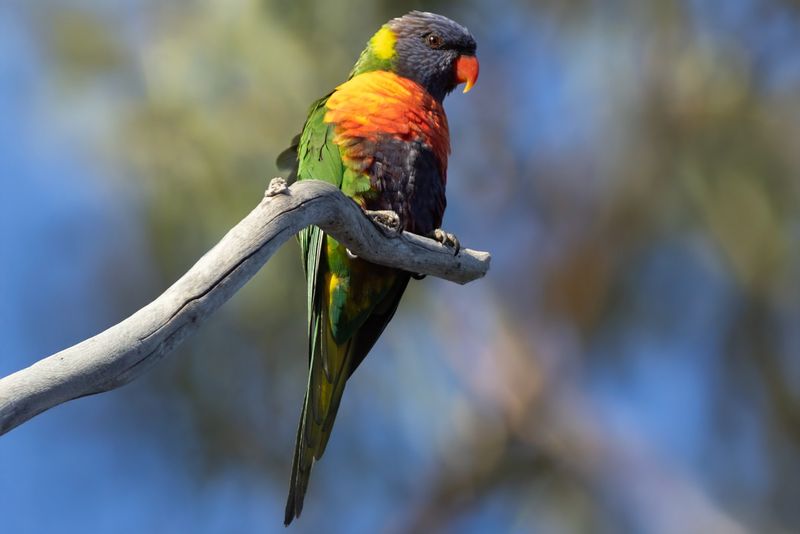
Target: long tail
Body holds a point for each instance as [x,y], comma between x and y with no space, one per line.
[301,472]
[329,370]
[330,364]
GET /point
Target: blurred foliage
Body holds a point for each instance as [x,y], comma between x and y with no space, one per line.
[607,141]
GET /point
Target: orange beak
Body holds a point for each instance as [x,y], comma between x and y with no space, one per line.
[467,68]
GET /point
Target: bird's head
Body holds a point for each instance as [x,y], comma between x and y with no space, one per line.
[430,49]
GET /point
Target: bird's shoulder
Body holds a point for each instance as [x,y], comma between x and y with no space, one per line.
[312,153]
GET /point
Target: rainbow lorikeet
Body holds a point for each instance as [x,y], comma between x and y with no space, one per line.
[382,137]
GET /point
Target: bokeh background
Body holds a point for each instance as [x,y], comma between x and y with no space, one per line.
[630,364]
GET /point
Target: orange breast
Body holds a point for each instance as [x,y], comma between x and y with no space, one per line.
[380,103]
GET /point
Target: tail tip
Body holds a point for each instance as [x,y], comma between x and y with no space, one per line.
[293,509]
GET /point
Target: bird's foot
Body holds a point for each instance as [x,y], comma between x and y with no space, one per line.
[387,221]
[277,186]
[447,239]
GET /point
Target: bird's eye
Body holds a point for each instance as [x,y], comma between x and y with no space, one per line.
[434,41]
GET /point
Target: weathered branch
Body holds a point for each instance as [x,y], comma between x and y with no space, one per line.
[126,350]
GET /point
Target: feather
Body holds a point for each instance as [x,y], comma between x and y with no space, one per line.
[287,160]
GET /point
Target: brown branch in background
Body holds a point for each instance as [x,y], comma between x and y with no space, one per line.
[542,422]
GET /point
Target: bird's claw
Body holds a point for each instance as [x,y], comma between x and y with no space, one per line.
[277,186]
[387,221]
[447,239]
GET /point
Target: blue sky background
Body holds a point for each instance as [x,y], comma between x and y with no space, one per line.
[639,327]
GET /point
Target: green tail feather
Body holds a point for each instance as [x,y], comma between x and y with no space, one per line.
[331,364]
[323,395]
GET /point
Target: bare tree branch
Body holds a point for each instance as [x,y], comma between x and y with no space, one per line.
[126,350]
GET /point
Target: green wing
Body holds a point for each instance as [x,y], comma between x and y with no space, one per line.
[315,157]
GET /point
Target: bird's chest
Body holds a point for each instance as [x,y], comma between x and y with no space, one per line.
[394,141]
[406,177]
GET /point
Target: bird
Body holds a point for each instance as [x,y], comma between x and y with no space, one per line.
[382,137]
